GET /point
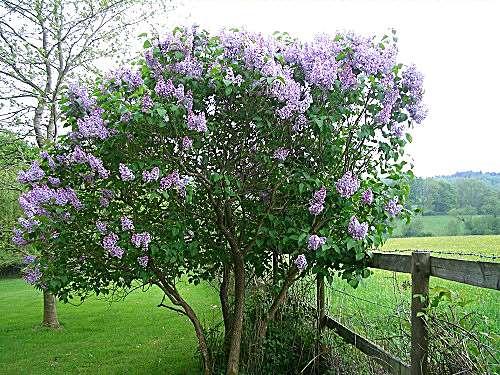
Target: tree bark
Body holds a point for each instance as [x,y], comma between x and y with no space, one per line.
[233,361]
[225,306]
[49,310]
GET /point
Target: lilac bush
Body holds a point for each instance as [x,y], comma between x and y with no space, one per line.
[218,153]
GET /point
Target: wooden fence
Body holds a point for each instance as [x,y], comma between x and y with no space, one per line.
[421,265]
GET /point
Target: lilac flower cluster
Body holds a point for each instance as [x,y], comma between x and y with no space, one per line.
[146,103]
[32,275]
[197,122]
[141,240]
[54,181]
[143,261]
[150,176]
[28,259]
[33,174]
[101,226]
[301,262]
[230,77]
[29,224]
[126,117]
[174,180]
[413,81]
[92,125]
[33,201]
[18,237]
[127,223]
[397,129]
[316,204]
[50,160]
[281,154]
[392,207]
[347,185]
[367,196]
[126,173]
[78,156]
[80,95]
[315,242]
[106,196]
[357,230]
[109,243]
[390,98]
[187,143]
[127,76]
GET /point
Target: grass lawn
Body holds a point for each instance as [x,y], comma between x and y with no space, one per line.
[374,308]
[126,337]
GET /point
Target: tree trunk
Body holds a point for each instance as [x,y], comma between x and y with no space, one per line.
[233,361]
[49,310]
[226,309]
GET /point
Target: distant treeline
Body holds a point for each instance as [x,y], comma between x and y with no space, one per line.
[464,193]
[471,199]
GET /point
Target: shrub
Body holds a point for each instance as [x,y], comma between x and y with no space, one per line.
[233,156]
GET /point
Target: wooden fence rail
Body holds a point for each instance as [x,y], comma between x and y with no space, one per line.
[421,265]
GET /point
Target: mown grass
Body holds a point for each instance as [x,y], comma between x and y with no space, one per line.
[132,336]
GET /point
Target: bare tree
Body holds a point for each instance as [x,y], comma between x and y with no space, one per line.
[43,44]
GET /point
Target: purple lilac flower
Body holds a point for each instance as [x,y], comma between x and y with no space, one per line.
[125,173]
[197,122]
[92,125]
[315,242]
[397,129]
[392,207]
[150,176]
[316,204]
[418,112]
[390,98]
[173,179]
[347,185]
[127,76]
[50,161]
[147,103]
[97,165]
[101,226]
[163,88]
[54,181]
[109,243]
[347,77]
[281,154]
[29,224]
[187,143]
[143,261]
[106,196]
[367,196]
[126,117]
[414,80]
[357,230]
[300,123]
[141,240]
[33,174]
[235,80]
[301,262]
[127,223]
[32,275]
[80,95]
[18,238]
[78,156]
[28,259]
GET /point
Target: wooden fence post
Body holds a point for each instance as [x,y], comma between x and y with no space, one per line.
[420,272]
[320,312]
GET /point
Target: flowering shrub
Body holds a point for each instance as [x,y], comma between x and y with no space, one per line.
[218,153]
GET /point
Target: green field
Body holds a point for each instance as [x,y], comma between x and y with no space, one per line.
[380,304]
[437,225]
[128,337]
[136,337]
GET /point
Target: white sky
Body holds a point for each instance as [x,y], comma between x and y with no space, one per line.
[456,44]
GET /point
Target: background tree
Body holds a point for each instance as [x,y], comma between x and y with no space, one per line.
[43,44]
[238,156]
